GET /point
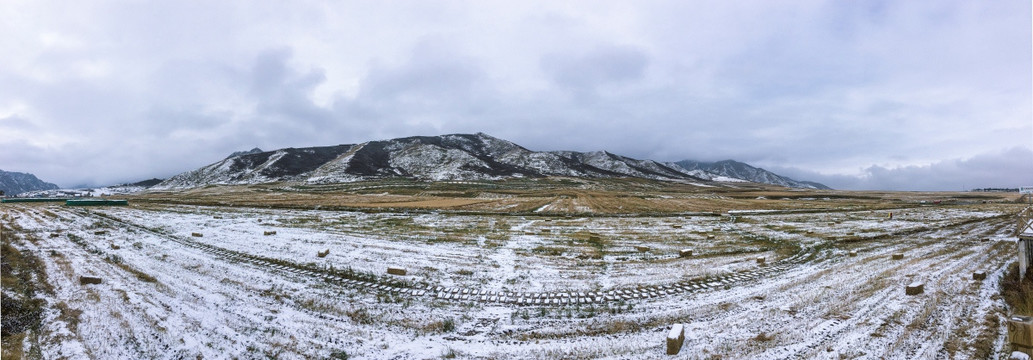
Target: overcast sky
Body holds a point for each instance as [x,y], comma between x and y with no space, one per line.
[901,95]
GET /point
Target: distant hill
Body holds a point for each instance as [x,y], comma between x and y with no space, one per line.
[14,183]
[445,157]
[739,170]
[146,183]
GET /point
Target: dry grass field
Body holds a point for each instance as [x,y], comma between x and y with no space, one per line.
[558,196]
[535,268]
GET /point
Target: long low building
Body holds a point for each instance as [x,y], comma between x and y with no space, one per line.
[96,202]
[17,200]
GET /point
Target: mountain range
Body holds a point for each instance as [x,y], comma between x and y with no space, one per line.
[455,157]
[737,170]
[13,183]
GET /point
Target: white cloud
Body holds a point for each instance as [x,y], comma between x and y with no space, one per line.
[828,86]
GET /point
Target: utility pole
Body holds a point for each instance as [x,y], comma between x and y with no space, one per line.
[1024,232]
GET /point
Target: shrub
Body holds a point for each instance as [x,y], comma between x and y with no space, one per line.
[23,277]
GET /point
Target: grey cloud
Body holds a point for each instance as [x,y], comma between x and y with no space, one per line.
[436,88]
[1009,168]
[584,72]
[17,123]
[430,74]
[825,85]
[282,91]
[166,120]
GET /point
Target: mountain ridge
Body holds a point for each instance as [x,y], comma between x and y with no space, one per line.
[744,171]
[14,183]
[444,157]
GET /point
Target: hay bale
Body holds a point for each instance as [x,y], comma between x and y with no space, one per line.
[898,256]
[676,226]
[853,253]
[86,280]
[675,338]
[115,247]
[979,275]
[593,238]
[323,253]
[710,236]
[197,234]
[685,253]
[760,260]
[914,288]
[54,235]
[641,248]
[267,233]
[100,232]
[396,271]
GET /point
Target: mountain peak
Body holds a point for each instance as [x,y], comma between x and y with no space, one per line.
[248,152]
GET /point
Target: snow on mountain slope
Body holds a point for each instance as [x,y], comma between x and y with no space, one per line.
[446,157]
[13,183]
[336,170]
[254,168]
[437,163]
[742,171]
[695,173]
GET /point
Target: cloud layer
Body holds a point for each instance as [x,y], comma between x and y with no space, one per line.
[1011,168]
[883,95]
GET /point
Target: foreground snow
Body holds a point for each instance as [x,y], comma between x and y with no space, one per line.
[234,292]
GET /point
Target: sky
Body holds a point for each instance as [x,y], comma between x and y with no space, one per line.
[860,95]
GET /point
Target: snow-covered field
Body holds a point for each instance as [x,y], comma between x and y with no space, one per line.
[208,282]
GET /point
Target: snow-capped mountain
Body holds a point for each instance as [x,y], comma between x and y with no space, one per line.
[446,157]
[737,170]
[14,183]
[121,189]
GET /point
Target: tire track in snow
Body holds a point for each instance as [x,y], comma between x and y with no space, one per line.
[834,329]
[463,294]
